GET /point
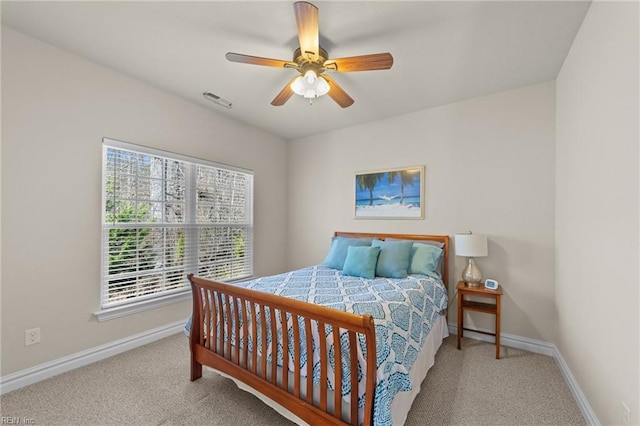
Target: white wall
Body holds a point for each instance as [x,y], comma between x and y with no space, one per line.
[56,108]
[489,168]
[597,212]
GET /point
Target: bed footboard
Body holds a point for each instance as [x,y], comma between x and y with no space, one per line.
[261,339]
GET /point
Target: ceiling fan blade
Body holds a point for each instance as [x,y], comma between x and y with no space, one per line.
[256,60]
[376,61]
[308,33]
[337,93]
[284,94]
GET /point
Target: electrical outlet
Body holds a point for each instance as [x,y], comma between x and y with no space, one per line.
[626,415]
[32,336]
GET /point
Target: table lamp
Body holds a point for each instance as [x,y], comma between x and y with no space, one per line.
[471,245]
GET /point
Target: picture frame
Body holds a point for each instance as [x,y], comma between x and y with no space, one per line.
[396,193]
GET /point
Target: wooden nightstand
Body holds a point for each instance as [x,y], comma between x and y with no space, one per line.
[487,308]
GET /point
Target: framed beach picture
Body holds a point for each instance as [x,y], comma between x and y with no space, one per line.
[390,193]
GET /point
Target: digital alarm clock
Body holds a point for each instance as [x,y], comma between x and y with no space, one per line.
[491,284]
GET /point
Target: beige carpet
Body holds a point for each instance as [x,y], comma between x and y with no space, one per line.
[150,386]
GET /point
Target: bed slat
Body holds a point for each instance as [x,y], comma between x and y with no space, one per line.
[245,332]
[236,329]
[353,356]
[285,350]
[307,329]
[263,345]
[207,319]
[296,351]
[227,319]
[323,361]
[371,381]
[254,338]
[219,337]
[274,347]
[337,345]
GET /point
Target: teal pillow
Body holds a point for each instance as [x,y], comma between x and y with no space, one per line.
[424,260]
[361,261]
[429,242]
[338,252]
[393,261]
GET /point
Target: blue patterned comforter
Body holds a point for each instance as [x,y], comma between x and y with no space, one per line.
[404,311]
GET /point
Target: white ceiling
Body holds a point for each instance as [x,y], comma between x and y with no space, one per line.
[444,51]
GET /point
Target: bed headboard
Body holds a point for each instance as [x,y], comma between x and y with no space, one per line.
[444,239]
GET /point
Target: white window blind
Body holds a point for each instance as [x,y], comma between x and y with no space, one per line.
[166,215]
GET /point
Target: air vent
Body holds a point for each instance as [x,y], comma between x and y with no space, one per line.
[218,100]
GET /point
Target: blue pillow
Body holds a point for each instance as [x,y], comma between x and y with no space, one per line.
[424,260]
[393,261]
[361,261]
[338,251]
[429,242]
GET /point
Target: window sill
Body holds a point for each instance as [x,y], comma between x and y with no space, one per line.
[137,307]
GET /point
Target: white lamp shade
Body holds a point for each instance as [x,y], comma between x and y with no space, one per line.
[310,85]
[471,245]
[323,87]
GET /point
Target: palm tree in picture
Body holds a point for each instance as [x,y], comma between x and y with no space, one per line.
[368,182]
[407,177]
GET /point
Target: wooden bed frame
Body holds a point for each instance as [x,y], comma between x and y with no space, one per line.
[229,305]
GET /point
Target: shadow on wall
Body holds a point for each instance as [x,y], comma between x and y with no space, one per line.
[528,286]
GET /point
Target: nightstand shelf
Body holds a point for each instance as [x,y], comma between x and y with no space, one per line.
[486,308]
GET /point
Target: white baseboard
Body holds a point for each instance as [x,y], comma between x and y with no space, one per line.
[510,340]
[587,412]
[49,369]
[543,348]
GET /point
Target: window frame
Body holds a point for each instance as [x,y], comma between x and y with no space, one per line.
[143,303]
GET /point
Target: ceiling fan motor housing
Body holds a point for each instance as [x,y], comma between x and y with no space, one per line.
[305,61]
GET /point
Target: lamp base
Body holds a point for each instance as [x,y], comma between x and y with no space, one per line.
[471,274]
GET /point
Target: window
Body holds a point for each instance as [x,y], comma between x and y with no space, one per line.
[165,216]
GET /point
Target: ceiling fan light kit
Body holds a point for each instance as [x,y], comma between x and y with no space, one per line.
[310,86]
[311,61]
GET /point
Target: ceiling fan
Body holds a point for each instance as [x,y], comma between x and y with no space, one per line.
[311,61]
